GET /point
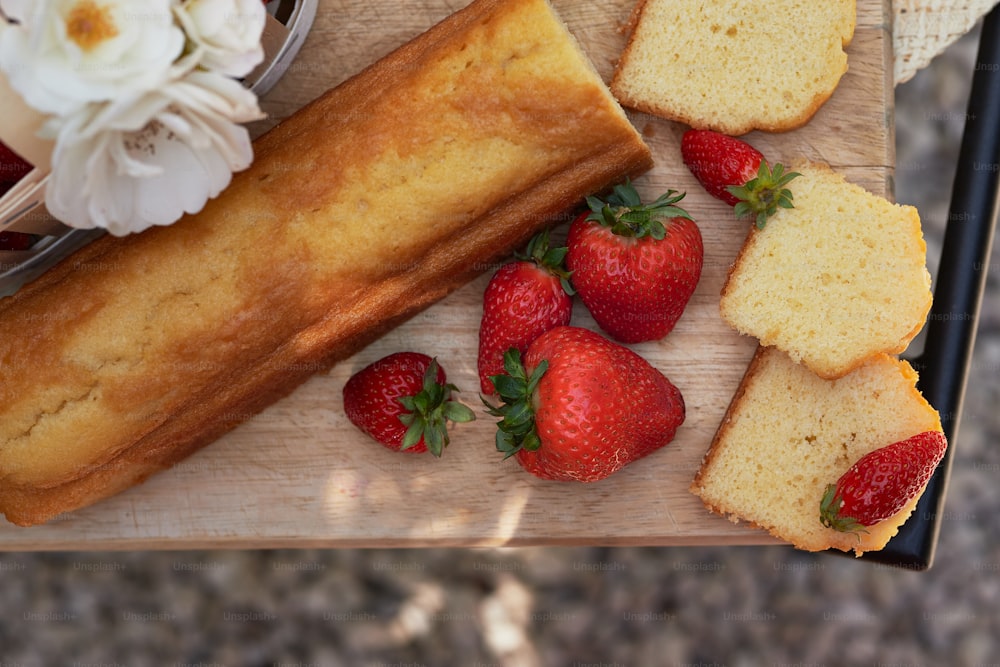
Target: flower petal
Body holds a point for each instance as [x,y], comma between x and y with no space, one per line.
[67,53]
[111,172]
[228,33]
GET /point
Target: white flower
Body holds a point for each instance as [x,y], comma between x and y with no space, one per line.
[14,9]
[66,53]
[228,32]
[148,158]
[140,98]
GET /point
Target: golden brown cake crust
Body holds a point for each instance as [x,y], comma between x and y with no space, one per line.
[721,432]
[137,351]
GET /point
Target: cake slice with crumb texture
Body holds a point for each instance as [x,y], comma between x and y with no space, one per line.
[788,434]
[734,66]
[834,281]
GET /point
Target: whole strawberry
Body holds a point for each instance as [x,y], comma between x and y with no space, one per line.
[634,265]
[732,170]
[881,482]
[17,240]
[582,407]
[404,402]
[523,299]
[12,168]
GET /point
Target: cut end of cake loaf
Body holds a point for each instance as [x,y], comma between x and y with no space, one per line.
[731,67]
[368,205]
[837,279]
[788,434]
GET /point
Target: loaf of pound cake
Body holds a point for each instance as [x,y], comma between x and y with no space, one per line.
[366,206]
[788,433]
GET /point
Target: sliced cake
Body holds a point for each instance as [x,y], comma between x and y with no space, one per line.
[788,434]
[836,280]
[731,66]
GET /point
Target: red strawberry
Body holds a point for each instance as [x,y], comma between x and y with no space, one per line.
[634,265]
[404,402]
[523,299]
[582,406]
[17,240]
[12,168]
[881,482]
[737,173]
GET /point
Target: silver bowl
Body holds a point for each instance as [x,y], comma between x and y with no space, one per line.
[287,25]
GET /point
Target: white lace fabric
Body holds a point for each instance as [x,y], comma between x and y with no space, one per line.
[924,28]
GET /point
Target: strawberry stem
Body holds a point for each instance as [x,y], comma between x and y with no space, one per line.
[762,196]
[429,411]
[516,430]
[626,215]
[829,513]
[547,258]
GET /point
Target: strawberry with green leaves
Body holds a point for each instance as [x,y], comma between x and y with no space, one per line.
[732,170]
[581,407]
[403,401]
[635,265]
[523,299]
[881,482]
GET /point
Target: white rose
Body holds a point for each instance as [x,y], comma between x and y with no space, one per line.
[227,32]
[115,168]
[14,9]
[66,53]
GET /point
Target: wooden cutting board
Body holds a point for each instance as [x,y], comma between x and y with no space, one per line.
[299,475]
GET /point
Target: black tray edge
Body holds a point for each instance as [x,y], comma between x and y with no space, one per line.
[944,364]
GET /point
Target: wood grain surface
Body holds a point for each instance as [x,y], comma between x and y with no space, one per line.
[300,475]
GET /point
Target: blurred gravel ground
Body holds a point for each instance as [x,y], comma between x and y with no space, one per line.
[565,606]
